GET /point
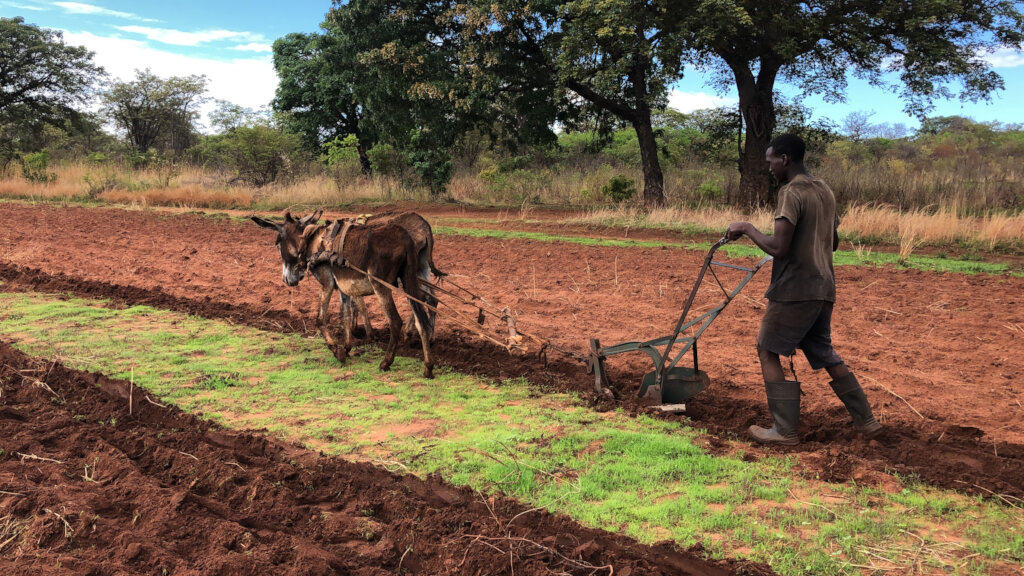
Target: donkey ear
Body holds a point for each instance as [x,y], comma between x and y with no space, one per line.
[266,223]
[311,219]
[288,217]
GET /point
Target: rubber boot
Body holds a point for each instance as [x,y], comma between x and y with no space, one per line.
[784,404]
[848,389]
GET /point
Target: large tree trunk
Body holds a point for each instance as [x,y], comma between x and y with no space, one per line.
[364,160]
[654,180]
[758,110]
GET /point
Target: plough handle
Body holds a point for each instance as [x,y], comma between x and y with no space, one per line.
[689,302]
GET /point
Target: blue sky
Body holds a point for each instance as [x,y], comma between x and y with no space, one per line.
[229,42]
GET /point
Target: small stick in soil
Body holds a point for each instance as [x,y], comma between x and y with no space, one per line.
[131,391]
[1000,496]
[34,457]
[402,559]
[189,455]
[882,386]
[11,493]
[68,532]
[834,515]
[45,386]
[544,549]
[154,402]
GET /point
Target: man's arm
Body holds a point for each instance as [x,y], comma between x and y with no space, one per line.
[777,245]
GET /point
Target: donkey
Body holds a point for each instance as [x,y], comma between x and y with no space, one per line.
[311,240]
[423,239]
[298,248]
[384,249]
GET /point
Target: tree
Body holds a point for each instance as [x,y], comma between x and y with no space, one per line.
[155,113]
[928,45]
[857,125]
[408,84]
[227,116]
[318,74]
[39,72]
[42,80]
[618,55]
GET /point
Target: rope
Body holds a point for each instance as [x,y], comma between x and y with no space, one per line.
[514,332]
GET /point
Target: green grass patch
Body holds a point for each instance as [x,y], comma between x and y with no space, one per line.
[650,479]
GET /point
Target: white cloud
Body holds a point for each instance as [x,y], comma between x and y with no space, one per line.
[254,47]
[687,102]
[1005,58]
[249,82]
[81,8]
[179,38]
[25,6]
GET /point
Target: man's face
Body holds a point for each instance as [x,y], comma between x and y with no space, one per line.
[777,164]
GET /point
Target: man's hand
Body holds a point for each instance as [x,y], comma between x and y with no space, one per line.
[737,229]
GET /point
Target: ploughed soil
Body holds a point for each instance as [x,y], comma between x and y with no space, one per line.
[99,479]
[941,356]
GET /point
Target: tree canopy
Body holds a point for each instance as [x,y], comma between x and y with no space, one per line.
[42,82]
[937,50]
[156,113]
[40,73]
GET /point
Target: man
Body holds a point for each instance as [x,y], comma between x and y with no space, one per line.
[801,295]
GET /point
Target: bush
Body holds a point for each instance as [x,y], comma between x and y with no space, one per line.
[259,155]
[434,167]
[387,161]
[35,167]
[619,188]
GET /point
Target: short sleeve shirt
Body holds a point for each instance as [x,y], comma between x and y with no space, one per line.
[806,273]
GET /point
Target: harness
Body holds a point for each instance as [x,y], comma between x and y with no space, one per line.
[327,254]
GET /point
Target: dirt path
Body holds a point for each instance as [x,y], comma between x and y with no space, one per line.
[939,354]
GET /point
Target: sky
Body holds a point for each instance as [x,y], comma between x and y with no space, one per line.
[229,41]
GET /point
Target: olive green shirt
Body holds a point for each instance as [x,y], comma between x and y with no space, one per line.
[806,272]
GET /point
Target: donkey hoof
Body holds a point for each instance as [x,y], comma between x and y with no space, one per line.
[428,372]
[341,353]
[385,366]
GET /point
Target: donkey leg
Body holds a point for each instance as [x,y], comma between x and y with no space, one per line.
[364,314]
[322,315]
[346,324]
[431,316]
[422,321]
[387,303]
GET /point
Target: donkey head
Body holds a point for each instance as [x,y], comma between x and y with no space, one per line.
[293,242]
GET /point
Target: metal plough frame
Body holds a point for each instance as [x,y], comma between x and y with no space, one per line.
[664,369]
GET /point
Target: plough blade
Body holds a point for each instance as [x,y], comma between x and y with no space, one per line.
[679,385]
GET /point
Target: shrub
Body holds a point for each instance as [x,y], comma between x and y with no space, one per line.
[35,167]
[387,161]
[619,188]
[259,155]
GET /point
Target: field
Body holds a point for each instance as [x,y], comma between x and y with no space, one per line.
[938,352]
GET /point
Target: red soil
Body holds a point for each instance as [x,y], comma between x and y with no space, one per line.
[939,354]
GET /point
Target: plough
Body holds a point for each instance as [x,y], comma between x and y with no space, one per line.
[669,384]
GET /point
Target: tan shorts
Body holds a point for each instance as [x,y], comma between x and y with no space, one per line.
[806,325]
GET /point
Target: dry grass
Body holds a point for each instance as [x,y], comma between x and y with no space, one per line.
[687,190]
[681,218]
[916,227]
[999,229]
[190,196]
[54,191]
[862,224]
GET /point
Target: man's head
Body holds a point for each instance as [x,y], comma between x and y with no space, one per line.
[785,156]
